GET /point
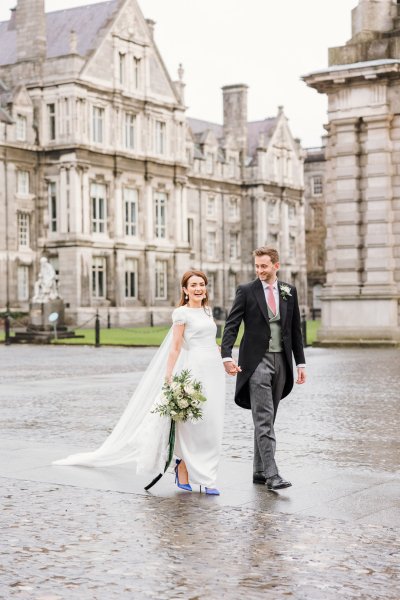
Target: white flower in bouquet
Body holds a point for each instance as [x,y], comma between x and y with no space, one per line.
[181,399]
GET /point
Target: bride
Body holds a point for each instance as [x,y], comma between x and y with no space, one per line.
[141,436]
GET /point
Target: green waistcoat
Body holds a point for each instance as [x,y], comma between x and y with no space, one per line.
[275,344]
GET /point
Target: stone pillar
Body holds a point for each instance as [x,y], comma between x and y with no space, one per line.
[75,200]
[235,114]
[86,211]
[148,196]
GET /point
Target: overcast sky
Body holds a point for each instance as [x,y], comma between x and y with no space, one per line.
[267,44]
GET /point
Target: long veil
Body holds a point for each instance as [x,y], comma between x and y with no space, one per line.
[139,436]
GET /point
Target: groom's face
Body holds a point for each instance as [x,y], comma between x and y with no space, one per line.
[265,269]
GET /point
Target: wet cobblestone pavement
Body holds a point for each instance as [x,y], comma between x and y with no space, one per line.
[335,533]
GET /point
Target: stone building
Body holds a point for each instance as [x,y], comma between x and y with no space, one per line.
[102,172]
[361,296]
[315,229]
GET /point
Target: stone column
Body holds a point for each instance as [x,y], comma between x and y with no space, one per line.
[149,212]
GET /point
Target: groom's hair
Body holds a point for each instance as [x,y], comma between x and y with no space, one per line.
[269,251]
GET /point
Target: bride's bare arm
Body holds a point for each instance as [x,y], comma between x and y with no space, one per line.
[176,345]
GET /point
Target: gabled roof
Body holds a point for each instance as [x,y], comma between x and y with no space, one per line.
[86,21]
[255,128]
[198,126]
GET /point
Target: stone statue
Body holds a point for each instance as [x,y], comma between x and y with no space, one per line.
[46,285]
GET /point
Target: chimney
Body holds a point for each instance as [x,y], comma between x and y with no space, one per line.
[372,16]
[31,30]
[235,113]
[151,25]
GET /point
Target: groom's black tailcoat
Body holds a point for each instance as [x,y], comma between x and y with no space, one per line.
[250,306]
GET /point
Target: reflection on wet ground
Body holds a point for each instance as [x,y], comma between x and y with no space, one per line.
[88,534]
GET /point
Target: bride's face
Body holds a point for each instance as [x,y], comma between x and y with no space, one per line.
[196,289]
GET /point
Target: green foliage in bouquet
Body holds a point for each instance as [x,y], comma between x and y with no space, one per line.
[181,399]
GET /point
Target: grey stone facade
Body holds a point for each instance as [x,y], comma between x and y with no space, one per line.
[361,297]
[102,172]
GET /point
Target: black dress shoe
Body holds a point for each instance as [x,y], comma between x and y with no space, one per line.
[276,482]
[259,478]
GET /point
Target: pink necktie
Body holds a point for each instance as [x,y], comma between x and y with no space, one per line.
[271,298]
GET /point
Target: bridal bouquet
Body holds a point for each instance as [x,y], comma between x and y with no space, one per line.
[181,399]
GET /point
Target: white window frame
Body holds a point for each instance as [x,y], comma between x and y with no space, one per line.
[21,128]
[130,131]
[23,182]
[121,68]
[317,185]
[160,130]
[53,206]
[24,230]
[161,280]
[137,72]
[232,284]
[23,283]
[98,121]
[211,286]
[131,278]
[234,244]
[98,205]
[211,206]
[211,244]
[292,245]
[160,214]
[131,197]
[52,121]
[99,277]
[233,208]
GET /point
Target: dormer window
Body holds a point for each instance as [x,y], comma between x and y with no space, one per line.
[209,163]
[137,67]
[121,67]
[21,128]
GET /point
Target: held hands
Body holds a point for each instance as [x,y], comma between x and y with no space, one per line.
[301,375]
[231,367]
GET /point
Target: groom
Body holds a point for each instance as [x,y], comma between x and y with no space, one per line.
[272,332]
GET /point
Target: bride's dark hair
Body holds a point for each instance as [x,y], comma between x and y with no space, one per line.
[184,282]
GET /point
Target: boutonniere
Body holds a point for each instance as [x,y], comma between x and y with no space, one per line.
[285,291]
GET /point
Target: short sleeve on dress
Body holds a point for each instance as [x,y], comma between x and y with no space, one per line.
[179,316]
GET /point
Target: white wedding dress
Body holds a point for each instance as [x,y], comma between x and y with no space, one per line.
[141,437]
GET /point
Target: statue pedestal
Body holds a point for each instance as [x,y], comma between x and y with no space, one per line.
[39,315]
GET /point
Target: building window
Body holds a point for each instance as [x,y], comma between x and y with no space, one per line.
[232,167]
[211,244]
[234,245]
[211,286]
[131,209]
[273,239]
[160,137]
[292,211]
[98,201]
[209,163]
[23,283]
[292,245]
[137,65]
[190,232]
[52,194]
[233,208]
[97,124]
[21,128]
[272,211]
[317,185]
[66,117]
[231,286]
[23,182]
[23,230]
[98,277]
[160,214]
[121,67]
[161,279]
[131,278]
[51,117]
[211,206]
[130,124]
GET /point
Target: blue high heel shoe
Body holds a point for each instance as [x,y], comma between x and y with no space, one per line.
[211,491]
[182,486]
